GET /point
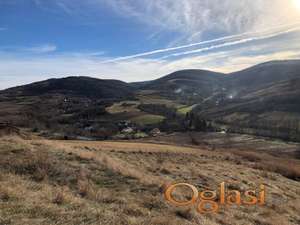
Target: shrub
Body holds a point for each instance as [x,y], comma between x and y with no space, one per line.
[58,198]
[4,196]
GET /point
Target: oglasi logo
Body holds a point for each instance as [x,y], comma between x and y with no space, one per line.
[209,201]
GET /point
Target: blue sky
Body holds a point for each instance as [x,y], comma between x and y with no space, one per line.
[135,40]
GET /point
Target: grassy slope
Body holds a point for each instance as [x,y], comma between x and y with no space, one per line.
[123,107]
[129,109]
[60,182]
[184,110]
[148,119]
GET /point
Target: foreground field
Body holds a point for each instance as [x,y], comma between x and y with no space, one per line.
[76,182]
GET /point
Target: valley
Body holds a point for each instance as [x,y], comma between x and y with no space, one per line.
[262,101]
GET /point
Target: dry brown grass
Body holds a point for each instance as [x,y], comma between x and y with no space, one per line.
[249,156]
[286,169]
[60,182]
[284,166]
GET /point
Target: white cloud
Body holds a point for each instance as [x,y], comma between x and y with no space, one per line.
[231,43]
[20,50]
[65,7]
[242,62]
[232,40]
[46,48]
[38,49]
[191,19]
[195,17]
[20,70]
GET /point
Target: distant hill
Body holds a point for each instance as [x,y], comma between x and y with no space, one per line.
[263,75]
[186,84]
[75,86]
[67,106]
[262,100]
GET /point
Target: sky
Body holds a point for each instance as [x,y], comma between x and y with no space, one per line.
[137,40]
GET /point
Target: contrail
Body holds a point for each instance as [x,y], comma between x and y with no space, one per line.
[232,43]
[198,43]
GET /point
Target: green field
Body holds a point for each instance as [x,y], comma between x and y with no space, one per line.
[184,110]
[148,119]
[123,107]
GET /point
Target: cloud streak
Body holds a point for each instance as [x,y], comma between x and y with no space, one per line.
[39,49]
[232,43]
[194,18]
[190,19]
[46,48]
[270,33]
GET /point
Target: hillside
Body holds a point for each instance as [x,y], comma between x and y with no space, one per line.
[75,86]
[65,182]
[185,84]
[265,74]
[262,100]
[64,107]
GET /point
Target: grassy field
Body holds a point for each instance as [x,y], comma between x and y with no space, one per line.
[135,115]
[142,118]
[156,99]
[184,110]
[148,119]
[81,182]
[123,107]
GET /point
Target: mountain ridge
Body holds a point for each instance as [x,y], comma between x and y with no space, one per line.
[260,98]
